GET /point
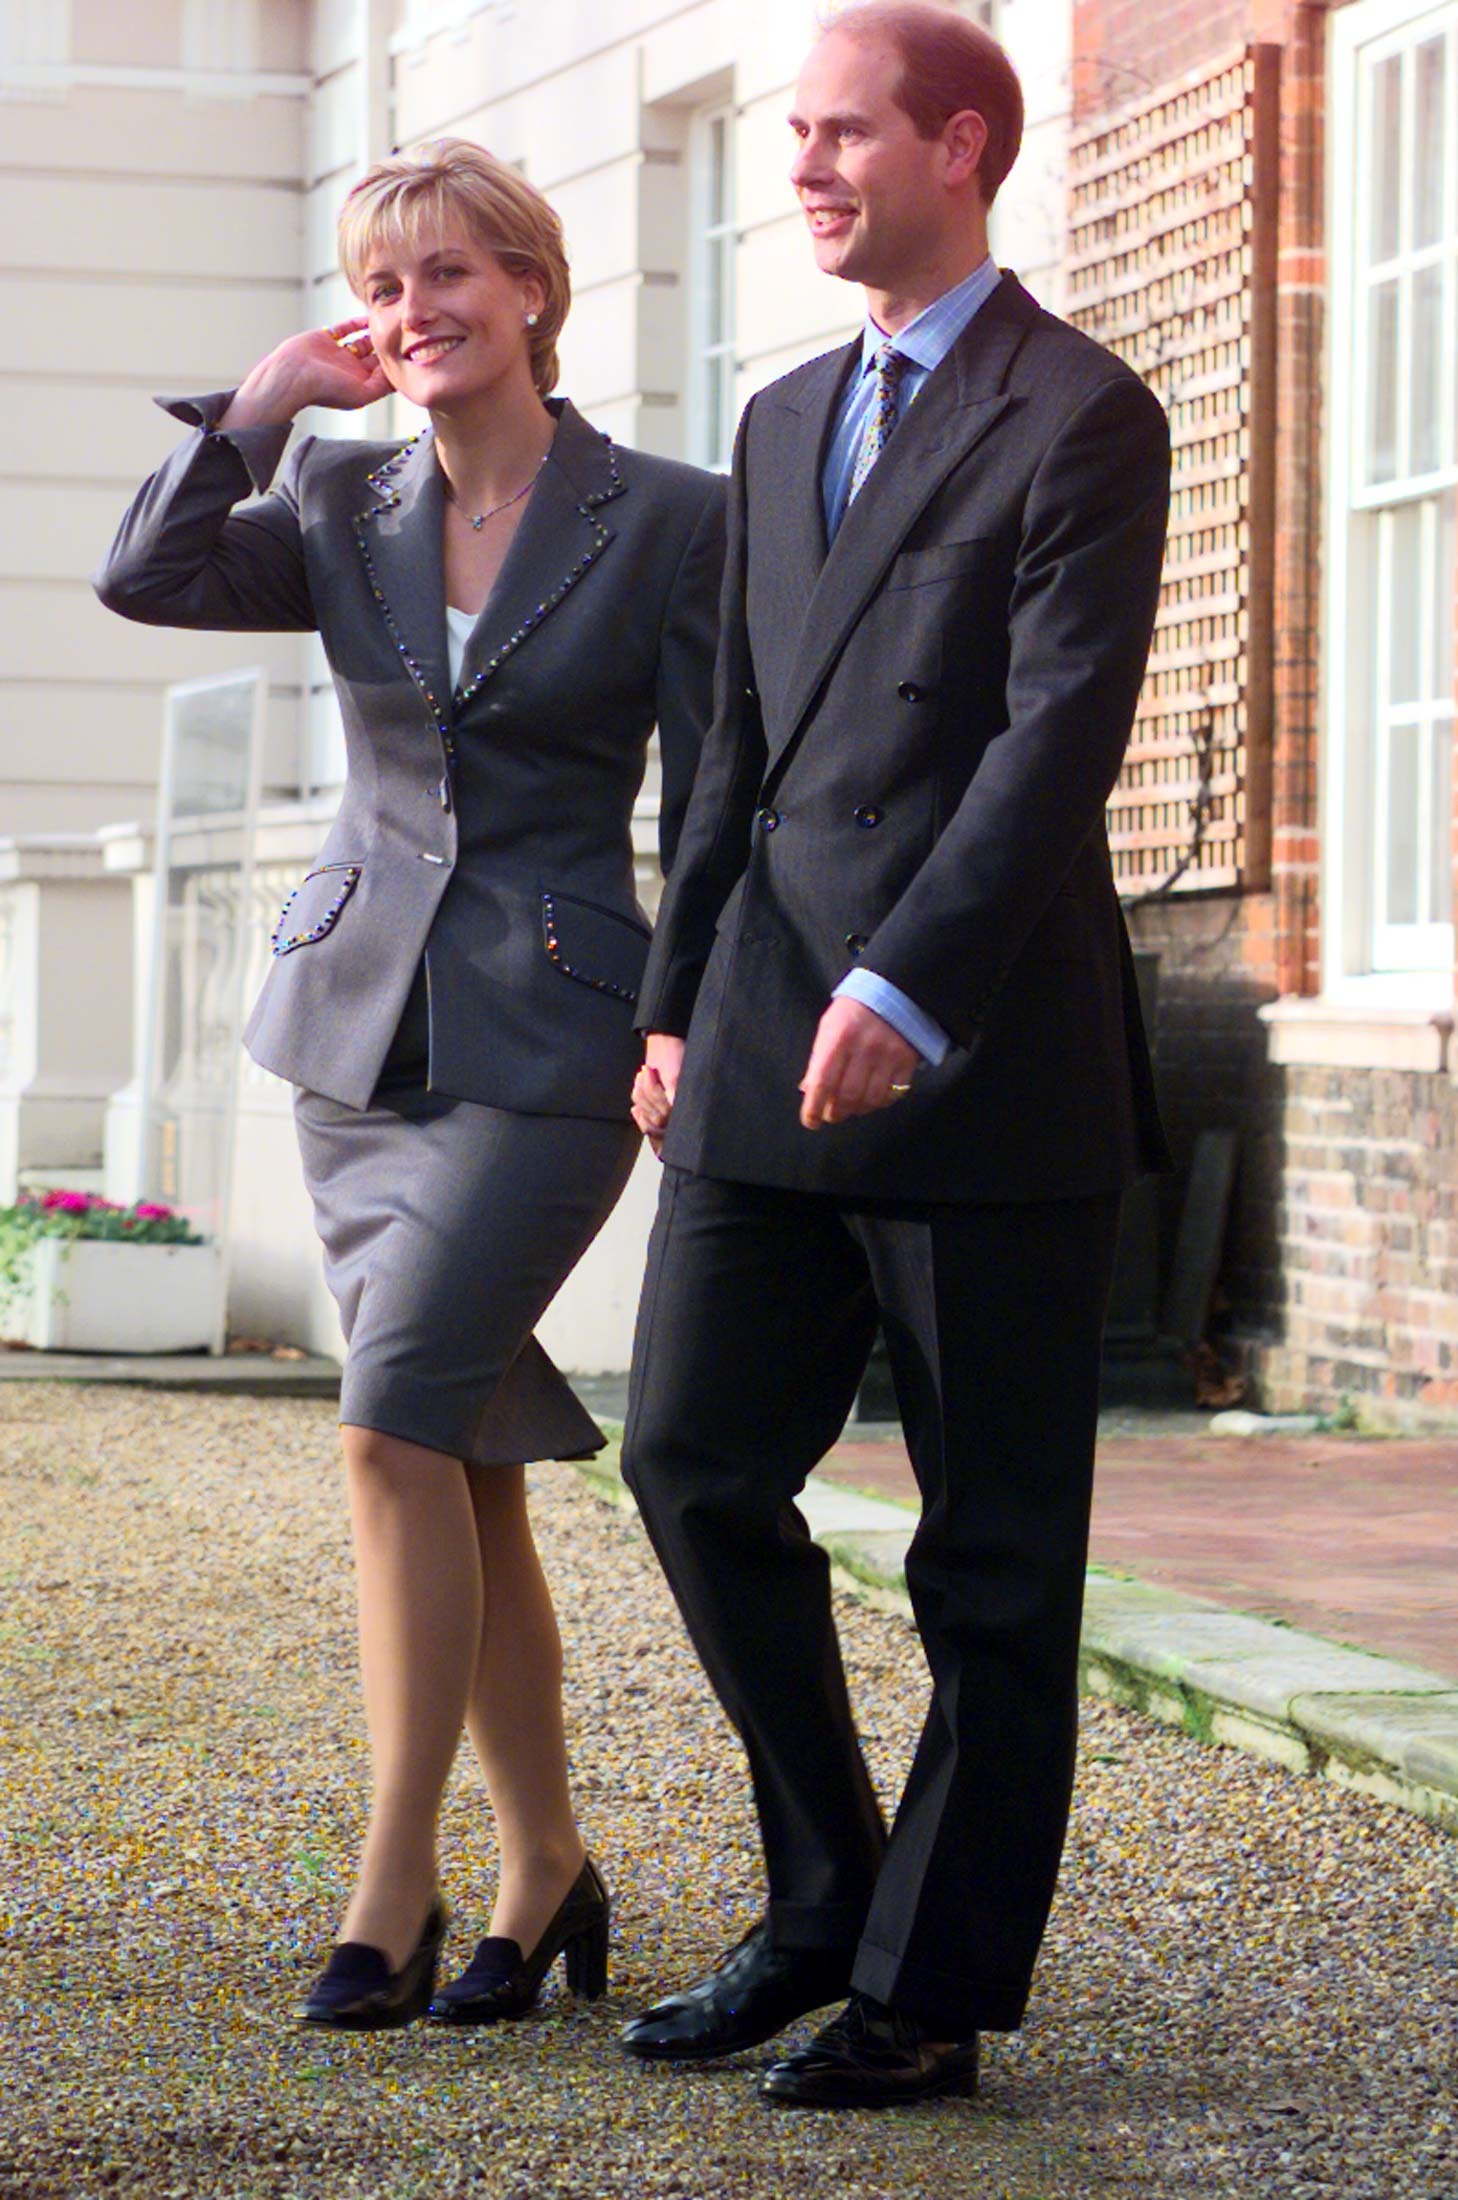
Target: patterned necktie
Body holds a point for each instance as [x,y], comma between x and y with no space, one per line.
[890,366]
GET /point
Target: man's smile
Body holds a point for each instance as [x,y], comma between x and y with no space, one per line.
[825,219]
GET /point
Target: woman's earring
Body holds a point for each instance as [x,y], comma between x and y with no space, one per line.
[532,319]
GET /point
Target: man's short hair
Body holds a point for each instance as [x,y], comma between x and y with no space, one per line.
[947,64]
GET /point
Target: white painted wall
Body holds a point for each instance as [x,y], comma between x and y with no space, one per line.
[1030,218]
[150,199]
[63,1045]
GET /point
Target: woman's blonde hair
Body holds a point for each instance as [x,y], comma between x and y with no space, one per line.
[400,199]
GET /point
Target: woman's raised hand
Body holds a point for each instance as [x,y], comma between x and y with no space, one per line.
[334,366]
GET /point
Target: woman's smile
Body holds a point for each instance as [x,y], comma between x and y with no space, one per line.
[428,349]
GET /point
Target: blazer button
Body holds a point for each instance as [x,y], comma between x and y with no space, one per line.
[868,815]
[768,820]
[857,942]
[910,692]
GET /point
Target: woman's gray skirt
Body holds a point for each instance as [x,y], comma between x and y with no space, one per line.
[448,1228]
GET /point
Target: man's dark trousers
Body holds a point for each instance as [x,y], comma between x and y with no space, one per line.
[759,1310]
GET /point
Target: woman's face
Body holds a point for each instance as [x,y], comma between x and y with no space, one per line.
[447,321]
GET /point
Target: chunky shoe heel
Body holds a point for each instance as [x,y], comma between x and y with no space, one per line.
[501,1982]
[587,1961]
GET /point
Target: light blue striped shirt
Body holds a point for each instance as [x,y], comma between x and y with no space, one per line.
[924,343]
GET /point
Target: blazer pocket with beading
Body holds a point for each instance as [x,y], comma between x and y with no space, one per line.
[596,946]
[314,907]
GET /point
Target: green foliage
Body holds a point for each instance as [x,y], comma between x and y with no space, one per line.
[73,1215]
[1345,1417]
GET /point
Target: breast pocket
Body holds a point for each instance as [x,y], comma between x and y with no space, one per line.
[314,907]
[595,946]
[940,561]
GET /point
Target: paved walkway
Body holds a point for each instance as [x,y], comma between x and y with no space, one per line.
[1288,1594]
[1355,1539]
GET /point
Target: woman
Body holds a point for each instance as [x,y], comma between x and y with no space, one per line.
[509,604]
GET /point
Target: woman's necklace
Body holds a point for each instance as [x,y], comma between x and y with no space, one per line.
[477,520]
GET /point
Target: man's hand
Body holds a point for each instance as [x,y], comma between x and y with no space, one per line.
[655,1086]
[858,1063]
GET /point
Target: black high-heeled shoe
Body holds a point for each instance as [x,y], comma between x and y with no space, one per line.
[501,1982]
[358,1992]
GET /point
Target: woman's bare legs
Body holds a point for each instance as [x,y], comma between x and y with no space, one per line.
[455,1627]
[514,1714]
[419,1583]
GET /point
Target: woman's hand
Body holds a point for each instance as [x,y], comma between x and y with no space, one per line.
[335,366]
[655,1086]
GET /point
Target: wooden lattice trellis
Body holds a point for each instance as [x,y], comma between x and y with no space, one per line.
[1171,264]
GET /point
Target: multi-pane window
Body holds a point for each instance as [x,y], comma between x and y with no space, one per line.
[1396,335]
[712,410]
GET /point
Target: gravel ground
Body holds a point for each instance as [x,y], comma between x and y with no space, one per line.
[1250,1985]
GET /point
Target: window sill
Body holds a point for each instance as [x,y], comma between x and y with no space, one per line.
[1342,1034]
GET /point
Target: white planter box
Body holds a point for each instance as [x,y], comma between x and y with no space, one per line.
[94,1295]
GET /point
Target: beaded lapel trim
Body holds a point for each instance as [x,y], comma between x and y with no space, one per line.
[381,481]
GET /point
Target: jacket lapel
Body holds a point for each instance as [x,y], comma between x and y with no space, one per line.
[812,406]
[790,551]
[562,533]
[399,538]
[959,403]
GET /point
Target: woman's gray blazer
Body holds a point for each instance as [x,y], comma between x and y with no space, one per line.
[487,831]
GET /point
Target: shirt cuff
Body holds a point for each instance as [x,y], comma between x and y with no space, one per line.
[891,1004]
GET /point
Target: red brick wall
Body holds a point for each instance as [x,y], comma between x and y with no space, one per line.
[1124,49]
[1300,328]
[1367,1228]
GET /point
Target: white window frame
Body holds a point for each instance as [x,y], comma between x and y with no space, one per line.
[1363,958]
[710,428]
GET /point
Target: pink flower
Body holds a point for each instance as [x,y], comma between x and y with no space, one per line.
[144,1211]
[70,1203]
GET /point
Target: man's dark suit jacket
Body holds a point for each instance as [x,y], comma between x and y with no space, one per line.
[491,831]
[914,739]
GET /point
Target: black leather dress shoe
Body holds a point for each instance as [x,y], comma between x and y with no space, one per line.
[501,1982]
[871,2057]
[358,1992]
[752,1994]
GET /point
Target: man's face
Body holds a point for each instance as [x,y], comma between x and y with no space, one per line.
[868,183]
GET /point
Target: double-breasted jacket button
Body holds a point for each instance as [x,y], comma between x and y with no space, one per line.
[857,942]
[768,820]
[911,691]
[868,815]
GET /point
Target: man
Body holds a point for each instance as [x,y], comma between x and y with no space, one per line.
[915,1079]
